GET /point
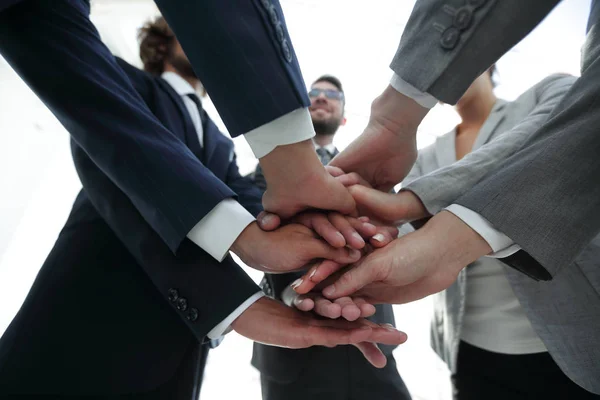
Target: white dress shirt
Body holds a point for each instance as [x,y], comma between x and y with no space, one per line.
[501,244]
[218,230]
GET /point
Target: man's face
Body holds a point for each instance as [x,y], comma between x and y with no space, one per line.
[180,62]
[326,111]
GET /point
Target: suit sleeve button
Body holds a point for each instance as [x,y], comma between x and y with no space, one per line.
[192,315]
[463,18]
[182,304]
[173,295]
[450,38]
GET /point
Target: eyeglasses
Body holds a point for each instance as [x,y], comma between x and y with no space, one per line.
[329,93]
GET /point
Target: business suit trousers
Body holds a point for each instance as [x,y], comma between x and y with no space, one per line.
[184,385]
[343,374]
[483,374]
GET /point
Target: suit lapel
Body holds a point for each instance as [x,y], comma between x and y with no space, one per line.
[490,124]
[190,134]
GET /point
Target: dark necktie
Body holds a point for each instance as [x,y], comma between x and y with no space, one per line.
[324,155]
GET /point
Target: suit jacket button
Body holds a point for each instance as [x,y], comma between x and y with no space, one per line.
[476,3]
[279,32]
[182,304]
[173,294]
[192,315]
[463,18]
[273,15]
[287,53]
[450,38]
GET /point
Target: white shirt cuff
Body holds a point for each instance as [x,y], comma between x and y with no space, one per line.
[502,245]
[424,99]
[292,127]
[224,327]
[216,232]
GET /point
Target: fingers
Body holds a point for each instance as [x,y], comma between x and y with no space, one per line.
[374,202]
[316,275]
[372,353]
[347,229]
[268,221]
[326,308]
[303,303]
[352,179]
[334,171]
[366,309]
[384,235]
[344,255]
[352,280]
[348,309]
[323,227]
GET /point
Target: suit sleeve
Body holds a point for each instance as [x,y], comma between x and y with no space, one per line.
[192,282]
[460,40]
[249,195]
[89,93]
[240,47]
[442,187]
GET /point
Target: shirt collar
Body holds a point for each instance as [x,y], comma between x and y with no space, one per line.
[329,147]
[180,85]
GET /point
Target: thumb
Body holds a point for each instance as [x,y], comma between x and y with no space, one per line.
[382,205]
[268,221]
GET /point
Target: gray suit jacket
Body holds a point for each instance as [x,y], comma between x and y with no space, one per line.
[558,168]
[564,312]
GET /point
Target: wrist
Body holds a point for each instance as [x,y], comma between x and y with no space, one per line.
[242,245]
[457,245]
[286,160]
[397,112]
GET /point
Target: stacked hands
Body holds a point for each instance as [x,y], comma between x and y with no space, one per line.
[351,253]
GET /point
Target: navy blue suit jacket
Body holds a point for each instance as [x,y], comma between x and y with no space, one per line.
[240,50]
[94,322]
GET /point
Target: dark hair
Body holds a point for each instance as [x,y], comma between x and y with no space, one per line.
[156,43]
[331,79]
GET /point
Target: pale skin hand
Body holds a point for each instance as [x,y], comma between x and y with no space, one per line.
[414,266]
[286,249]
[336,229]
[270,322]
[385,152]
[294,166]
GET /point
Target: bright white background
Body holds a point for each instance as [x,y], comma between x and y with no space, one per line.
[349,39]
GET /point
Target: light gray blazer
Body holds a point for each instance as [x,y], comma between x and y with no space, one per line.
[445,46]
[564,312]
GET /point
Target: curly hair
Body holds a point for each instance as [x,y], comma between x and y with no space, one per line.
[156,44]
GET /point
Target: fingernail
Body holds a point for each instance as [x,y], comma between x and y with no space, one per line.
[389,327]
[356,236]
[379,237]
[370,226]
[296,283]
[338,234]
[329,291]
[314,271]
[267,218]
[354,253]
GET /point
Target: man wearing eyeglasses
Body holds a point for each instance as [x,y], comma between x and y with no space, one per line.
[321,373]
[327,115]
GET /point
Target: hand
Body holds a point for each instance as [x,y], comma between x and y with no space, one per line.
[414,266]
[297,181]
[289,248]
[270,322]
[336,229]
[348,308]
[388,208]
[386,150]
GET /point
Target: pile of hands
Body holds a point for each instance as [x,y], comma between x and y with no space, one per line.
[338,225]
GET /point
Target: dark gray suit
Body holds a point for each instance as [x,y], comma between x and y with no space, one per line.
[546,197]
[316,373]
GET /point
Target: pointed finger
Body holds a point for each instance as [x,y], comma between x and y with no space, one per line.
[372,353]
[316,275]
